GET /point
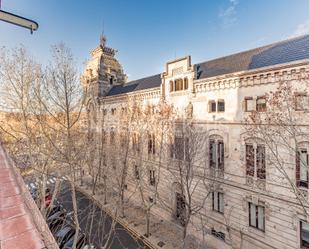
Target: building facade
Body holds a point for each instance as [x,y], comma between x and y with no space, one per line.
[241,197]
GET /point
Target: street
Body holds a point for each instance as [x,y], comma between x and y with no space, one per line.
[94,222]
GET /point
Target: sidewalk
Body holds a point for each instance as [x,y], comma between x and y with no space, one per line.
[164,234]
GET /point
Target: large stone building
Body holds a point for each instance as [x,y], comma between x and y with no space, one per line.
[249,203]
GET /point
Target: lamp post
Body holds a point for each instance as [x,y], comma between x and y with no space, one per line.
[18,20]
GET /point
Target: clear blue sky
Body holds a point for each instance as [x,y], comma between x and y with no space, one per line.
[147,33]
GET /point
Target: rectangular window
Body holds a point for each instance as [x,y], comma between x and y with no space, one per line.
[261,104]
[113,111]
[249,160]
[135,142]
[152,178]
[180,149]
[304,235]
[151,144]
[217,202]
[301,102]
[249,104]
[257,216]
[212,106]
[302,160]
[221,106]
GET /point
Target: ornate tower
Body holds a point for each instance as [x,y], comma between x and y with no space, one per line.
[102,72]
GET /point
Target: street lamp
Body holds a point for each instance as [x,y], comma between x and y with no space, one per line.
[18,20]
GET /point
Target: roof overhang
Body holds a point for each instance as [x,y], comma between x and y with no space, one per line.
[19,21]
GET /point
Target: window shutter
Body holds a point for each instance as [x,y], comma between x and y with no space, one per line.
[216,201]
[153,144]
[220,155]
[261,217]
[252,213]
[260,162]
[212,153]
[221,203]
[249,160]
[297,168]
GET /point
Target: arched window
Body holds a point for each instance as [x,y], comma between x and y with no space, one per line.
[255,159]
[302,163]
[216,152]
[261,104]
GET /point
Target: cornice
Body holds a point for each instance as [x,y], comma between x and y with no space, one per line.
[266,75]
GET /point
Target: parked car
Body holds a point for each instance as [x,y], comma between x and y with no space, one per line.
[53,210]
[56,221]
[82,242]
[63,235]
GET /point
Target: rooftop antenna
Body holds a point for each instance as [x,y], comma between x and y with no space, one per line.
[18,20]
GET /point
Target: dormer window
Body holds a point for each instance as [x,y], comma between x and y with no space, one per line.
[179,85]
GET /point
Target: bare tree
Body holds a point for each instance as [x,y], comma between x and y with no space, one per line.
[280,126]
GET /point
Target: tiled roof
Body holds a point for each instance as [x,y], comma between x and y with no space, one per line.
[17,226]
[270,55]
[136,85]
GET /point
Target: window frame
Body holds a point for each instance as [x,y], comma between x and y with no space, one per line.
[220,101]
[152,177]
[303,246]
[299,182]
[255,163]
[246,104]
[216,153]
[218,197]
[211,104]
[136,172]
[257,108]
[257,221]
[151,144]
[303,95]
